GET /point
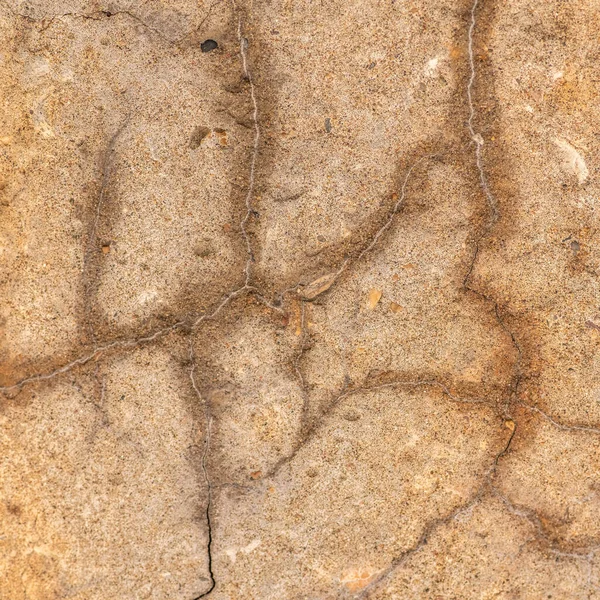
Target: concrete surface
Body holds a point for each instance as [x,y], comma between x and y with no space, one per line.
[310,312]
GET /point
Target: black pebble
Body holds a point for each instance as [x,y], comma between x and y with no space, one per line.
[208,45]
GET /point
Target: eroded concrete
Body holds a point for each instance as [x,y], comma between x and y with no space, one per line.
[311,312]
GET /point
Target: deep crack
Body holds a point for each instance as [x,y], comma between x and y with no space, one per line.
[209,420]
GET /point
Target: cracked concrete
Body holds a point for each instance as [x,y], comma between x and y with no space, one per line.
[310,312]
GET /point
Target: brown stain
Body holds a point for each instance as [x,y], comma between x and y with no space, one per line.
[499,170]
[17,166]
[575,92]
[236,97]
[551,531]
[448,146]
[15,368]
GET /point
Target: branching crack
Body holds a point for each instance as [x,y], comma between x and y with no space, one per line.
[182,324]
[100,15]
[314,428]
[435,524]
[246,288]
[309,431]
[333,277]
[487,486]
[494,214]
[586,554]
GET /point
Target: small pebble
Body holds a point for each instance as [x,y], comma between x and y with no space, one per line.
[373,299]
[318,286]
[208,45]
[395,308]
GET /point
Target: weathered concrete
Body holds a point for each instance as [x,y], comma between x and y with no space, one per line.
[311,312]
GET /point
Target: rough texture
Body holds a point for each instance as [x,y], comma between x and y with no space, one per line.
[299,300]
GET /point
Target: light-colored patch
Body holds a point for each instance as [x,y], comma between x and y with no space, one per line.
[478,139]
[573,162]
[148,296]
[37,68]
[233,552]
[44,129]
[356,579]
[431,67]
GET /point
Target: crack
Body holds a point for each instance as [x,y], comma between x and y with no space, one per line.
[98,351]
[558,424]
[397,206]
[99,14]
[429,530]
[245,288]
[209,420]
[311,431]
[435,524]
[542,535]
[491,202]
[333,277]
[487,488]
[513,390]
[524,512]
[493,217]
[487,485]
[182,324]
[476,136]
[517,366]
[228,298]
[250,191]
